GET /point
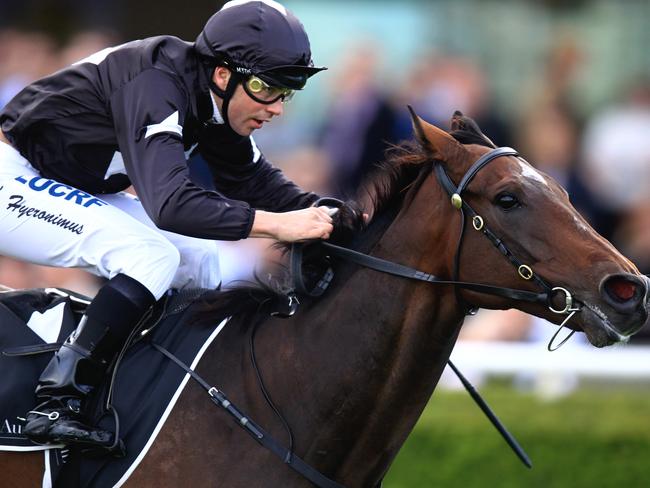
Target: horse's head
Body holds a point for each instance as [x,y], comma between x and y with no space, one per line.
[528,220]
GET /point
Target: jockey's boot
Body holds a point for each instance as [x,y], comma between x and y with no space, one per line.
[81,364]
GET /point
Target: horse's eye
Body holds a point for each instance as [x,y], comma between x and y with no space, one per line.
[507,201]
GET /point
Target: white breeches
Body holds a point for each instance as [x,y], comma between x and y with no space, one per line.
[46,222]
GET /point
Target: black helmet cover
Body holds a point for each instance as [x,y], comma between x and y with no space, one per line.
[261,38]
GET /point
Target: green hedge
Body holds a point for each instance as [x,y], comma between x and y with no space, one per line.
[595,438]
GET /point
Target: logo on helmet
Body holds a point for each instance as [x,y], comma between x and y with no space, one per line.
[243,71]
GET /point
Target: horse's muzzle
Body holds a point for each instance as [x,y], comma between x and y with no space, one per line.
[627,294]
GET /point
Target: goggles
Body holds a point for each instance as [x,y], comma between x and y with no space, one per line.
[262,92]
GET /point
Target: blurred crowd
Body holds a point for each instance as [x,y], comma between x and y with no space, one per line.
[602,158]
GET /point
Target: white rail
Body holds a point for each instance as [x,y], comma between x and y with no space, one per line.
[511,358]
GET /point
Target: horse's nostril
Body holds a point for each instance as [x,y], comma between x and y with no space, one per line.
[621,289]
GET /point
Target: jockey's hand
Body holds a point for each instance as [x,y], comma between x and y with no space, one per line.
[298,225]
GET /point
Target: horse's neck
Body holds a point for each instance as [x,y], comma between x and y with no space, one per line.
[382,349]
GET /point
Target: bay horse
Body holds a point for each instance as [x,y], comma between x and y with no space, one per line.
[353,370]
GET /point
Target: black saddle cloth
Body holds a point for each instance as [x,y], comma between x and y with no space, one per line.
[145,387]
[20,373]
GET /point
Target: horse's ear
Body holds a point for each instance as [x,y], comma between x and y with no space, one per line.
[462,122]
[438,142]
[458,121]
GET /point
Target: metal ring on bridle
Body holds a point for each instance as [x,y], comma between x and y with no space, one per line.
[525,272]
[477,222]
[568,300]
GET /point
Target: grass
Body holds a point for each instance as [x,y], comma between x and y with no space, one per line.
[597,437]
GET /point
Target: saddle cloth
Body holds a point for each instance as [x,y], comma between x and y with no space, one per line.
[27,318]
[146,386]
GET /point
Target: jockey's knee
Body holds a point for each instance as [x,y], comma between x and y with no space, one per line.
[153,262]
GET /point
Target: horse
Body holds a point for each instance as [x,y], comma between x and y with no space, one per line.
[353,370]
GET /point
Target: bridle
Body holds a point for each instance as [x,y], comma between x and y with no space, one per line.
[545,297]
[571,306]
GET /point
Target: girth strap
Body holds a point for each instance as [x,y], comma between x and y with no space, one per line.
[254,430]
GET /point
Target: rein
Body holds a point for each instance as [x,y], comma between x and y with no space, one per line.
[395,269]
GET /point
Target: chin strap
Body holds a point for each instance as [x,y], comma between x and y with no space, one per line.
[234,80]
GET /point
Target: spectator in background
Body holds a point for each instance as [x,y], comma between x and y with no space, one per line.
[440,84]
[24,57]
[548,128]
[549,138]
[361,121]
[28,56]
[616,159]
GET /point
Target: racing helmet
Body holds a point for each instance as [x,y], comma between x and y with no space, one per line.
[258,38]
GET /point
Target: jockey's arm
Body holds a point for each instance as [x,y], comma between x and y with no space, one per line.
[307,223]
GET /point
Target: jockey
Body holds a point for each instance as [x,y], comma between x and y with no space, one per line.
[132,115]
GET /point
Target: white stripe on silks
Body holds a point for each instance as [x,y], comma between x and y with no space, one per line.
[256,151]
[169,408]
[116,166]
[170,124]
[99,56]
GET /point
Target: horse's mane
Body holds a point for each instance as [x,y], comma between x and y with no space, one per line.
[394,183]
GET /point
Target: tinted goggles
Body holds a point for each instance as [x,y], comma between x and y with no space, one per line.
[262,92]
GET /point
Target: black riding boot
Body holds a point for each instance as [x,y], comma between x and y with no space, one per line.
[81,363]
